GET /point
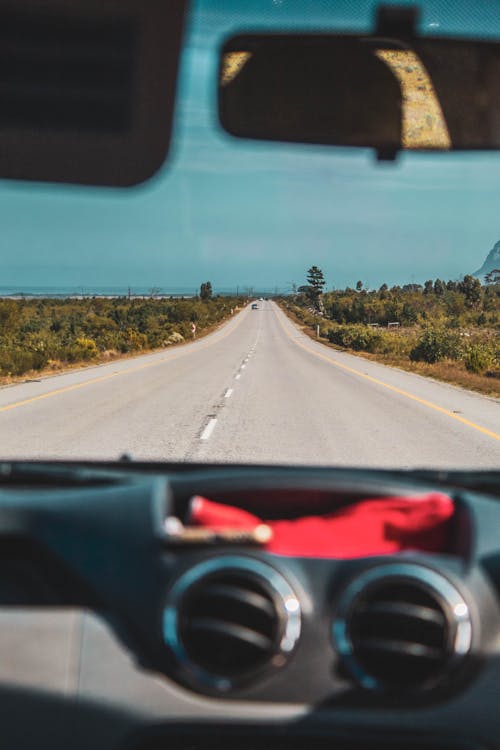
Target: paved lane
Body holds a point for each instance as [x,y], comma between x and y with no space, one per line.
[256,390]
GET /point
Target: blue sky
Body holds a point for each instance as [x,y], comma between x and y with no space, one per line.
[242,213]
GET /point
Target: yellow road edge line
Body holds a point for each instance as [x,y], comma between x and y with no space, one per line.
[102,378]
[393,388]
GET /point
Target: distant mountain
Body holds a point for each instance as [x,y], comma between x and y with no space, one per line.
[491,263]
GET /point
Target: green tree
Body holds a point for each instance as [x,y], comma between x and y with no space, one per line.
[439,287]
[428,287]
[409,314]
[471,289]
[316,283]
[206,290]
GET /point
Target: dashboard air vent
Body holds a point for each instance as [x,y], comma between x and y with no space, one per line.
[402,628]
[229,618]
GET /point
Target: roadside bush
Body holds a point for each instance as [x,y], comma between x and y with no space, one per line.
[478,358]
[38,333]
[154,339]
[304,315]
[325,327]
[83,349]
[15,361]
[357,337]
[396,343]
[175,338]
[436,343]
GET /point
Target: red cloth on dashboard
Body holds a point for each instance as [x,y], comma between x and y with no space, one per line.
[370,527]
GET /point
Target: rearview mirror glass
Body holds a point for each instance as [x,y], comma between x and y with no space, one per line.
[359,90]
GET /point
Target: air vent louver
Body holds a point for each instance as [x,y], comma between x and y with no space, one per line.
[402,628]
[230,618]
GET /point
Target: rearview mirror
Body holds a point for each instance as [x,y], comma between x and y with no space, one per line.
[387,92]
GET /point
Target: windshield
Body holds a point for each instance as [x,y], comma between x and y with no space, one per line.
[259,302]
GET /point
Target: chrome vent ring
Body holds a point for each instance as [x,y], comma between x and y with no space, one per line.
[401,628]
[228,619]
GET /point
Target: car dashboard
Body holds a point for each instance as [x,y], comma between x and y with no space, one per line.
[115,633]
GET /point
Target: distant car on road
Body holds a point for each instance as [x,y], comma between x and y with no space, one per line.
[255,306]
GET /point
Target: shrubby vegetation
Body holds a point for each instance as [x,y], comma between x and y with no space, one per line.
[36,334]
[441,321]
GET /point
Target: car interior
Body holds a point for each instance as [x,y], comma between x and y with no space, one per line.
[154,605]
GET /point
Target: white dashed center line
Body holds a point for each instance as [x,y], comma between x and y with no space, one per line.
[210,426]
[205,435]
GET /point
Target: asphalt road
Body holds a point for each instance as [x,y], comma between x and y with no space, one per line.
[256,390]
